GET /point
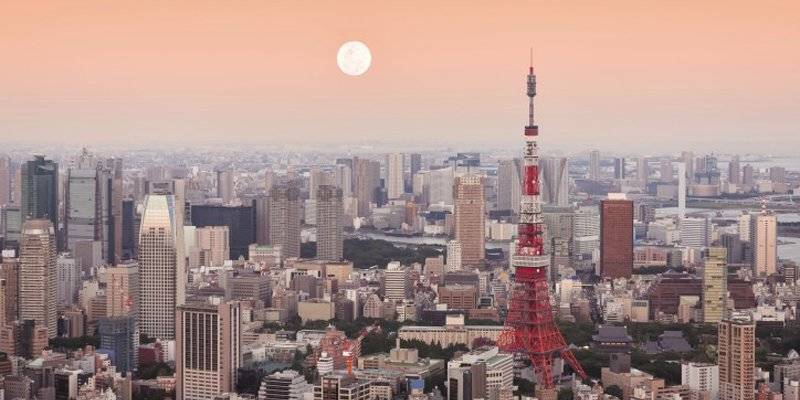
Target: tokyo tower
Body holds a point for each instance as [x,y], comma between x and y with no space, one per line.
[530,329]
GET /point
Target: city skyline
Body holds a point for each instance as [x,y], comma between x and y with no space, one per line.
[266,73]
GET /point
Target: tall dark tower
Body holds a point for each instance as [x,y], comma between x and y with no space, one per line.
[530,329]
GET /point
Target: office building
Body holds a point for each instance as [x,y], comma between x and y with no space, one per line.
[5,181]
[120,335]
[666,170]
[482,373]
[440,190]
[594,165]
[765,244]
[619,168]
[454,262]
[83,201]
[162,273]
[736,359]
[330,212]
[715,285]
[616,237]
[509,184]
[37,275]
[212,247]
[555,181]
[225,188]
[122,290]
[208,348]
[284,215]
[470,209]
[339,386]
[40,191]
[397,282]
[694,232]
[395,175]
[734,171]
[284,385]
[366,182]
[415,163]
[240,220]
[702,378]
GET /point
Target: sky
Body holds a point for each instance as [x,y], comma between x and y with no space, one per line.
[639,75]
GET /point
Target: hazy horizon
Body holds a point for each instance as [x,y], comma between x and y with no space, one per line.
[624,76]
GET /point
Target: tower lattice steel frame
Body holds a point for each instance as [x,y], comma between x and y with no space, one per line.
[530,328]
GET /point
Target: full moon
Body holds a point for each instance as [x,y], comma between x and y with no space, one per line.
[354,58]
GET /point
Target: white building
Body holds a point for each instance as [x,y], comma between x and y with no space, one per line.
[454,256]
[701,377]
[485,364]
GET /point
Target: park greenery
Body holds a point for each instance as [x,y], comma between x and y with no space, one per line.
[366,253]
[63,344]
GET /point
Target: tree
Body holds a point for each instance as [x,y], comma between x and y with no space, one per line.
[481,341]
[614,390]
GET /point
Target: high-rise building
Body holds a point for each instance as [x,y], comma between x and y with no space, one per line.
[745,223]
[343,179]
[454,262]
[162,273]
[642,170]
[122,290]
[68,279]
[765,244]
[594,165]
[9,272]
[37,275]
[395,175]
[330,212]
[440,189]
[616,237]
[715,285]
[366,182]
[470,209]
[397,282]
[208,348]
[748,177]
[40,191]
[688,160]
[619,168]
[415,163]
[777,174]
[284,215]
[555,181]
[240,220]
[261,205]
[5,181]
[213,246]
[736,359]
[120,334]
[701,377]
[482,373]
[225,189]
[734,170]
[284,385]
[666,170]
[509,184]
[83,201]
[694,232]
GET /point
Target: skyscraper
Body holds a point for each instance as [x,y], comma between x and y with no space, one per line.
[415,162]
[162,276]
[40,191]
[213,246]
[240,220]
[688,161]
[120,335]
[555,181]
[616,237]
[284,215]
[715,285]
[37,275]
[225,189]
[395,175]
[367,175]
[619,168]
[83,201]
[397,282]
[343,179]
[734,170]
[694,232]
[122,290]
[470,208]
[208,348]
[509,184]
[5,181]
[766,244]
[736,359]
[454,256]
[666,170]
[594,165]
[330,212]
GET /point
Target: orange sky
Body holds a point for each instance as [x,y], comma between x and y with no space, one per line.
[679,73]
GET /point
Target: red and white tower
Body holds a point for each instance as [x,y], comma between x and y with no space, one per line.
[530,329]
